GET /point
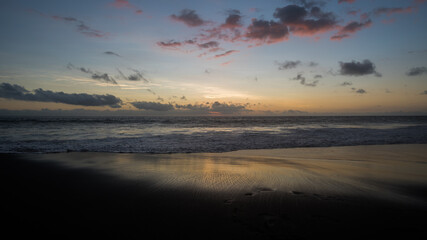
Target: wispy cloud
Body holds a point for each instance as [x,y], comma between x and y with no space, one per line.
[112,53]
[288,64]
[303,81]
[81,27]
[416,71]
[226,53]
[103,77]
[351,28]
[135,76]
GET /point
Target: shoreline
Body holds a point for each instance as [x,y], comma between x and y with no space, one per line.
[300,193]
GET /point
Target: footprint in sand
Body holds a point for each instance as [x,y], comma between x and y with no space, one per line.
[259,190]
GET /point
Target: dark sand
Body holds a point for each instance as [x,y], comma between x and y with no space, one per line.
[339,192]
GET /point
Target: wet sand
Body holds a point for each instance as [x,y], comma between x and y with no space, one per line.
[303,193]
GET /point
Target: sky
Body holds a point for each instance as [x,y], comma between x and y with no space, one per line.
[214,57]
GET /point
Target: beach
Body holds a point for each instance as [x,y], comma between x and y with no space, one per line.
[349,192]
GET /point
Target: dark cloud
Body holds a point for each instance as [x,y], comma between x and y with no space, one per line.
[267,31]
[225,108]
[305,21]
[160,99]
[318,76]
[216,107]
[112,53]
[169,44]
[424,93]
[135,76]
[304,82]
[82,27]
[103,77]
[288,64]
[17,92]
[346,84]
[308,4]
[183,98]
[291,14]
[360,91]
[226,53]
[210,44]
[358,68]
[416,71]
[189,17]
[154,106]
[233,20]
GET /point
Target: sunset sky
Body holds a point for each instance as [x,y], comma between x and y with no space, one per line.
[215,57]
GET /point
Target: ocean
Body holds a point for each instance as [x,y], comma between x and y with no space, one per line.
[202,134]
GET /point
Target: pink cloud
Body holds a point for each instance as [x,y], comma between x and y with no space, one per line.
[125,4]
[226,63]
[225,54]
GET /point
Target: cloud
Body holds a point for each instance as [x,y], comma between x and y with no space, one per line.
[135,76]
[303,81]
[416,71]
[189,17]
[226,53]
[303,21]
[183,98]
[169,44]
[312,64]
[214,108]
[346,84]
[102,77]
[154,106]
[358,68]
[288,64]
[359,91]
[210,44]
[390,11]
[268,32]
[233,20]
[424,93]
[112,53]
[125,4]
[151,91]
[350,28]
[225,108]
[318,76]
[346,1]
[81,27]
[17,92]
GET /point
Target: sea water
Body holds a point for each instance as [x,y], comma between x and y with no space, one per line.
[202,134]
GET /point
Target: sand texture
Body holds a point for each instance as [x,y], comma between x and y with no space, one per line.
[303,193]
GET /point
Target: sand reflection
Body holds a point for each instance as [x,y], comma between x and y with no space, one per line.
[373,171]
